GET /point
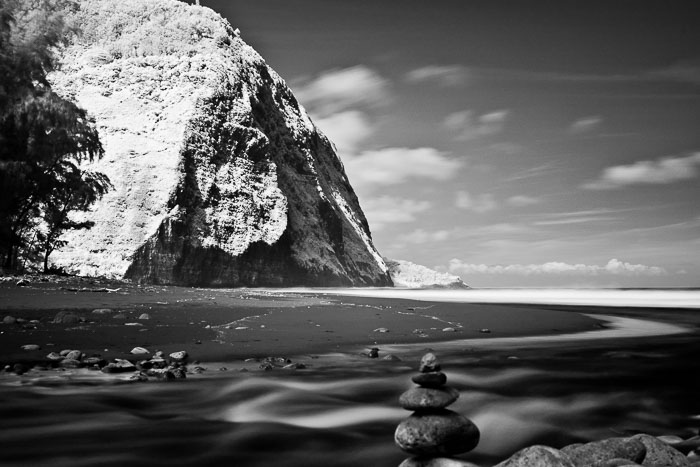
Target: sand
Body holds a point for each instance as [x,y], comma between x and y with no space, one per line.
[231,325]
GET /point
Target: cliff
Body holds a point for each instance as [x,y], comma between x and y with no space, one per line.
[220,176]
[414,276]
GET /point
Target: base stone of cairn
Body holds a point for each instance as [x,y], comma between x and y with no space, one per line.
[433,433]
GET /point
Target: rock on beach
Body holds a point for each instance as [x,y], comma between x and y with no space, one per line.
[428,398]
[442,432]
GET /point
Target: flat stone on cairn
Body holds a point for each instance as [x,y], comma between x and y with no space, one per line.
[432,430]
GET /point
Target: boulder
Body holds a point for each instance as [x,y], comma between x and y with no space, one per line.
[538,456]
[660,454]
[612,448]
[440,433]
[9,320]
[435,462]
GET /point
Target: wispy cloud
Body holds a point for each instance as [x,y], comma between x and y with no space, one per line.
[480,203]
[391,210]
[533,172]
[522,201]
[444,75]
[613,267]
[336,90]
[391,166]
[682,72]
[585,124]
[660,171]
[423,237]
[575,220]
[469,126]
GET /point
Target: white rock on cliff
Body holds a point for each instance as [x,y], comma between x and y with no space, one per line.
[220,176]
[414,276]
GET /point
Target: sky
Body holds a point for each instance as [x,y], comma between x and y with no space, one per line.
[512,143]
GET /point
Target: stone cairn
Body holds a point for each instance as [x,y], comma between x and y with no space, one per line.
[433,433]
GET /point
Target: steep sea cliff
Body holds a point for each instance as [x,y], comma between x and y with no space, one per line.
[220,176]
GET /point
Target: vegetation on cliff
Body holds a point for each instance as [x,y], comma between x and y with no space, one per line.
[43,136]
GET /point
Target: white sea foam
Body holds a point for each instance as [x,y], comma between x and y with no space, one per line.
[661,298]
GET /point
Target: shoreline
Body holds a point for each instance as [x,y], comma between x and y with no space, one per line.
[234,325]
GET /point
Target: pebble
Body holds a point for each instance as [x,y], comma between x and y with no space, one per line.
[381,330]
[485,330]
[429,363]
[421,398]
[74,355]
[119,316]
[448,329]
[442,432]
[139,351]
[179,355]
[119,366]
[101,311]
[391,358]
[31,347]
[373,353]
[433,379]
[20,368]
[92,361]
[64,317]
[54,357]
[70,363]
[145,316]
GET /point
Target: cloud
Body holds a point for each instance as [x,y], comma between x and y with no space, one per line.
[333,91]
[480,204]
[682,72]
[391,210]
[444,75]
[661,171]
[391,166]
[613,267]
[584,125]
[347,129]
[422,237]
[522,200]
[470,127]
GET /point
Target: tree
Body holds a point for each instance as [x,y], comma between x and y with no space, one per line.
[77,191]
[43,137]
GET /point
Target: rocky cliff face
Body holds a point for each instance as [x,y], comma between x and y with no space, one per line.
[220,176]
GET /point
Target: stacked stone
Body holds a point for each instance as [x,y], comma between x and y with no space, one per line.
[433,433]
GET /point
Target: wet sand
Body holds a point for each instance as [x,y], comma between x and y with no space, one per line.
[237,324]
